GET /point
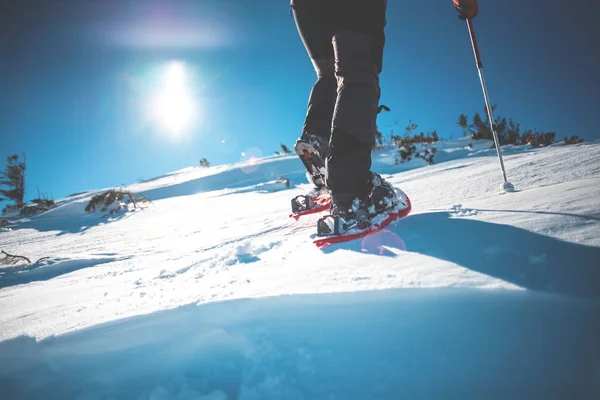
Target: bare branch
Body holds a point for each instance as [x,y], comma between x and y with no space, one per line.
[11,259]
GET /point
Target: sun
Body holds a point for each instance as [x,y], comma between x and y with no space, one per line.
[172,105]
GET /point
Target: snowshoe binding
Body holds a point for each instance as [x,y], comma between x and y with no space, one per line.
[314,202]
[343,218]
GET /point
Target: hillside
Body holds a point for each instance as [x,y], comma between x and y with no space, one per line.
[212,292]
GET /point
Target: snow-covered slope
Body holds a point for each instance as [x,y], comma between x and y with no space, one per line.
[478,293]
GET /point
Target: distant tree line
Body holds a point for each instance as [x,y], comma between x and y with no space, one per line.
[509,132]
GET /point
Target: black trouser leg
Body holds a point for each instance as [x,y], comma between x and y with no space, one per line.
[358,47]
[321,102]
[314,20]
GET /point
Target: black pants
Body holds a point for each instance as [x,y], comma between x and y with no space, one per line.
[344,39]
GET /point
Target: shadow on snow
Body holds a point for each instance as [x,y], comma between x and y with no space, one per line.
[45,270]
[417,344]
[527,259]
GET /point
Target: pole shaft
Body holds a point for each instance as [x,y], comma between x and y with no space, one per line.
[474,43]
[485,95]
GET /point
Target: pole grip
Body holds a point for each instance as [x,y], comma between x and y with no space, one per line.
[474,43]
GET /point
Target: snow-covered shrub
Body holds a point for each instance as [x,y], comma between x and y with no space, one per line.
[37,206]
[478,128]
[408,147]
[410,136]
[427,155]
[11,211]
[114,201]
[31,210]
[44,202]
[285,149]
[283,180]
[430,138]
[508,131]
[573,140]
[405,151]
[538,139]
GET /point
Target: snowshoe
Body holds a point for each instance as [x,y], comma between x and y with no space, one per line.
[362,219]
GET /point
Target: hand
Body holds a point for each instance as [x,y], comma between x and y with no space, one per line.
[466,8]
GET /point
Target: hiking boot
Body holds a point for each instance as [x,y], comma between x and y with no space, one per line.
[381,193]
[359,210]
[312,150]
[345,217]
[318,143]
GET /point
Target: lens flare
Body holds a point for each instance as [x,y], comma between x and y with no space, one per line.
[378,242]
[249,160]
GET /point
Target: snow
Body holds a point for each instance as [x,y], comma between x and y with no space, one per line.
[212,292]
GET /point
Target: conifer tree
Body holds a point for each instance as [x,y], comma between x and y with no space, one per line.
[13,180]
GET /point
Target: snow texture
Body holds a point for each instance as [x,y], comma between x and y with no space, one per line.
[212,292]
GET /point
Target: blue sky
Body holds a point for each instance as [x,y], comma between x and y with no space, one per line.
[77,75]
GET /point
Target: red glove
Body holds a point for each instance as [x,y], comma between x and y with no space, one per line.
[466,8]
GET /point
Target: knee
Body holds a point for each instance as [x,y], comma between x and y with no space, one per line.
[324,68]
[353,58]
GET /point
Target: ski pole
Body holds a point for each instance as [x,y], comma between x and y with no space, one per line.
[507,185]
[467,10]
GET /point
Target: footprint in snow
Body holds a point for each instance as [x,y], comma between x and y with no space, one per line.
[247,252]
[458,211]
[164,274]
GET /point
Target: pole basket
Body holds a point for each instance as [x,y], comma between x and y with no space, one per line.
[508,187]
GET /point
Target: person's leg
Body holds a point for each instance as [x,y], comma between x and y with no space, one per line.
[314,22]
[358,41]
